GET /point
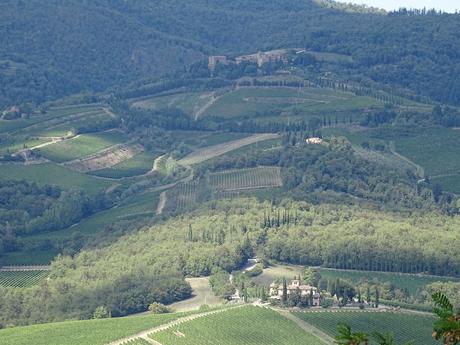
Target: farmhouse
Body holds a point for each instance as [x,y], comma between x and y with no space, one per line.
[214,60]
[263,57]
[276,291]
[314,141]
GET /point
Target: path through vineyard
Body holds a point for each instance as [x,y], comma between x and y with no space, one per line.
[161,203]
[145,334]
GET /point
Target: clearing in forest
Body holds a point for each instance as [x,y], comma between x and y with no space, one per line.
[22,278]
[201,294]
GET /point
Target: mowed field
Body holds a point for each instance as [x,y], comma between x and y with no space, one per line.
[21,279]
[201,294]
[406,327]
[88,332]
[245,325]
[82,145]
[247,102]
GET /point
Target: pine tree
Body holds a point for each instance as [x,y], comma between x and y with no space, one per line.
[377,297]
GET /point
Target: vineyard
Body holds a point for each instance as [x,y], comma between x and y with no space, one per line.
[406,327]
[21,279]
[241,179]
[246,326]
[87,332]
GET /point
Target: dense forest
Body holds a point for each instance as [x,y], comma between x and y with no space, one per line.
[57,48]
[224,234]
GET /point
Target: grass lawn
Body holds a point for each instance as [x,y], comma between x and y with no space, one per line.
[406,327]
[82,145]
[53,175]
[90,332]
[274,272]
[246,325]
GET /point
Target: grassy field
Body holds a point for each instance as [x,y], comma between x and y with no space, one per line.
[137,165]
[436,150]
[246,325]
[202,294]
[246,102]
[406,327]
[411,282]
[53,175]
[21,279]
[277,271]
[252,178]
[91,332]
[188,102]
[82,145]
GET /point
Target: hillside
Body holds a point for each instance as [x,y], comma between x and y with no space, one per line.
[68,46]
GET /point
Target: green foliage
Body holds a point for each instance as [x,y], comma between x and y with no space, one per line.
[101,313]
[347,337]
[447,327]
[221,285]
[158,308]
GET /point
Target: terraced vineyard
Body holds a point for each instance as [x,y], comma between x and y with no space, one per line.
[246,326]
[241,179]
[406,327]
[21,279]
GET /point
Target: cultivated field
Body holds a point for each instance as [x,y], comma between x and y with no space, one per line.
[436,150]
[105,159]
[82,145]
[247,102]
[88,332]
[406,327]
[246,325]
[207,153]
[277,271]
[137,165]
[21,279]
[450,183]
[243,179]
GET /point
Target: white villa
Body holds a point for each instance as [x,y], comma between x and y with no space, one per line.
[314,141]
[276,291]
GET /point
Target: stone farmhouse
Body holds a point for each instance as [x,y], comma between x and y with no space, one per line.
[314,141]
[216,59]
[276,291]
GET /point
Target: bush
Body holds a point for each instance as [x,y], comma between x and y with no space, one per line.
[101,313]
[158,308]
